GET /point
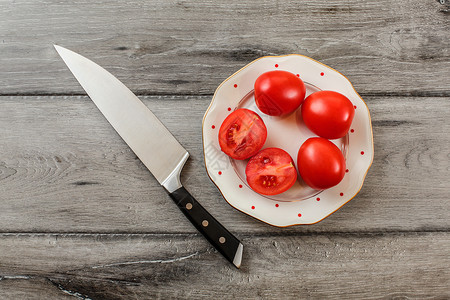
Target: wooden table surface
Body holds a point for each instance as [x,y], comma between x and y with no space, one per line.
[81,217]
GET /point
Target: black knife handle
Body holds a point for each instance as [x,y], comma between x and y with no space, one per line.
[215,233]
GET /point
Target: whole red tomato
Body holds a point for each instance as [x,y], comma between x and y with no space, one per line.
[320,163]
[271,171]
[242,134]
[328,114]
[279,93]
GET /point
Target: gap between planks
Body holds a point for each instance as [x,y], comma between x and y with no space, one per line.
[184,95]
[241,235]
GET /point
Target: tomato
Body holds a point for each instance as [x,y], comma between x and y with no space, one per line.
[279,93]
[320,163]
[328,114]
[242,134]
[271,171]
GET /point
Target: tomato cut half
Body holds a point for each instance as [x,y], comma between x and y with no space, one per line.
[271,171]
[320,163]
[242,134]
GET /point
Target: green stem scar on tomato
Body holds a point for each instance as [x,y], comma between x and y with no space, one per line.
[271,172]
[242,134]
[279,92]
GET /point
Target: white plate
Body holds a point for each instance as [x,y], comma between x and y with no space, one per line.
[300,204]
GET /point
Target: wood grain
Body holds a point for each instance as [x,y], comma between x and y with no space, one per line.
[28,288]
[63,168]
[190,47]
[185,266]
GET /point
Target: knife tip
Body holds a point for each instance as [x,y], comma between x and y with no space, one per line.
[57,47]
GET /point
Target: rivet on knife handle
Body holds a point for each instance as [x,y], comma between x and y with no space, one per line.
[225,242]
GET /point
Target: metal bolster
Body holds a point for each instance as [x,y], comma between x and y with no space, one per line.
[173,182]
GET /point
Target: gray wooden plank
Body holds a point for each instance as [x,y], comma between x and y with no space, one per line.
[413,266]
[64,169]
[190,47]
[28,288]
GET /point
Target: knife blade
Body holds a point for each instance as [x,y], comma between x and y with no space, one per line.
[153,144]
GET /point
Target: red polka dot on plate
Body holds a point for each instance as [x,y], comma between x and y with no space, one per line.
[276,65]
[220,172]
[299,215]
[214,126]
[352,130]
[253,207]
[235,85]
[298,75]
[276,205]
[229,108]
[240,186]
[318,199]
[346,171]
[362,152]
[354,106]
[321,74]
[341,194]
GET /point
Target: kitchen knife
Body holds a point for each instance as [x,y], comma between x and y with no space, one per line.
[155,146]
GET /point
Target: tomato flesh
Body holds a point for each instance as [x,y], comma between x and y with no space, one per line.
[271,171]
[279,93]
[320,163]
[328,114]
[242,134]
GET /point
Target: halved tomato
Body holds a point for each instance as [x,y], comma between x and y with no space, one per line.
[271,171]
[242,134]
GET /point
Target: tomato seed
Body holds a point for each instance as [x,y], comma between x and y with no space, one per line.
[268,180]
